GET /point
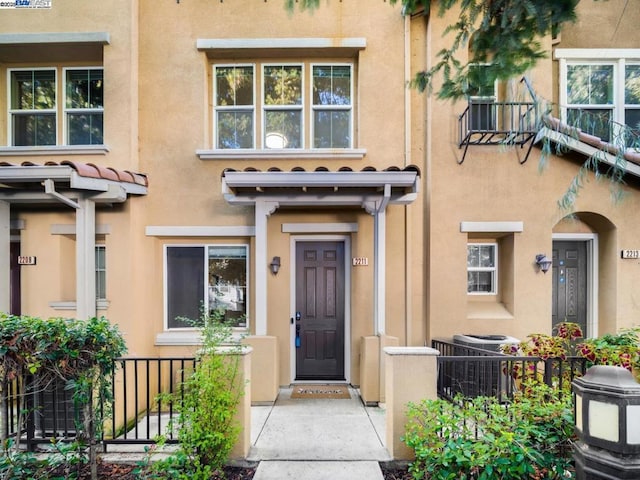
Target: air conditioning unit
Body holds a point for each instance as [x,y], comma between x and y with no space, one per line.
[485,342]
[481,378]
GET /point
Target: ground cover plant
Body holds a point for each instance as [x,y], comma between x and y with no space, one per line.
[482,439]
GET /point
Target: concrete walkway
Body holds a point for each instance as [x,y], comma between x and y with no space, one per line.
[317,439]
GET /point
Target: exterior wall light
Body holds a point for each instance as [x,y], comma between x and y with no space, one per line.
[543,262]
[607,424]
[274,266]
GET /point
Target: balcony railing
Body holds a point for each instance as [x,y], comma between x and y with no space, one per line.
[485,122]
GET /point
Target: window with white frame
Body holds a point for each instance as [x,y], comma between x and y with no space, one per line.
[101,272]
[84,106]
[34,109]
[295,112]
[482,268]
[602,97]
[209,279]
[482,96]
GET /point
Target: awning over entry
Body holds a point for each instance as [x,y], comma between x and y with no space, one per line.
[80,186]
[369,188]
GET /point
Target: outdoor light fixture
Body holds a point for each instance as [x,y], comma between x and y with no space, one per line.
[275,265]
[543,262]
[607,423]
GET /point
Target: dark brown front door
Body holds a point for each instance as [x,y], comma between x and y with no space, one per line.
[320,305]
[570,283]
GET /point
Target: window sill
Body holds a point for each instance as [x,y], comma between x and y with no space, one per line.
[100,305]
[488,311]
[192,337]
[54,150]
[293,153]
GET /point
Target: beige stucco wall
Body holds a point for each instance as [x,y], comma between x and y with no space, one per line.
[158,104]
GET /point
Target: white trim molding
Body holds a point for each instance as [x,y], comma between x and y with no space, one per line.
[319,227]
[596,53]
[303,43]
[282,154]
[199,231]
[508,227]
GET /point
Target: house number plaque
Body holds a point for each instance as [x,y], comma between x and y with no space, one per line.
[634,254]
[360,261]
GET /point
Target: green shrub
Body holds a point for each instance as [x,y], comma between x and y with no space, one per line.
[481,439]
[207,403]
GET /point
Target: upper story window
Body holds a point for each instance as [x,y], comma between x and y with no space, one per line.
[482,268]
[101,272]
[602,97]
[302,105]
[34,109]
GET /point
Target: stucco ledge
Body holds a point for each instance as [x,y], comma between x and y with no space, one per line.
[416,351]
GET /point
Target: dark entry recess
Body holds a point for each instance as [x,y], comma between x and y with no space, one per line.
[320,300]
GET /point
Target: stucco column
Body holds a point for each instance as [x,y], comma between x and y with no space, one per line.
[411,375]
[86,259]
[5,257]
[262,211]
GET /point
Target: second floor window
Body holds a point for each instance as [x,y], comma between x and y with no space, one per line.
[302,106]
[34,108]
[603,99]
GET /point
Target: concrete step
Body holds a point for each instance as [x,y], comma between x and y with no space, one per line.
[318,470]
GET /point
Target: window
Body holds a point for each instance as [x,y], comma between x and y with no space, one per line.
[101,273]
[295,112]
[282,100]
[482,96]
[209,278]
[482,268]
[34,109]
[602,97]
[84,106]
[332,106]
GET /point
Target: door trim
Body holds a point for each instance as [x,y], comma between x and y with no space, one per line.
[591,241]
[346,239]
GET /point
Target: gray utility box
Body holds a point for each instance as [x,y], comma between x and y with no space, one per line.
[479,377]
[485,342]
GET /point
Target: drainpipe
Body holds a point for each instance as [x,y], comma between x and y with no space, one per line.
[408,234]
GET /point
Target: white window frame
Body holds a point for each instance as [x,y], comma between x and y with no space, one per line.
[616,57]
[240,108]
[205,296]
[493,270]
[313,108]
[101,246]
[66,111]
[286,108]
[11,112]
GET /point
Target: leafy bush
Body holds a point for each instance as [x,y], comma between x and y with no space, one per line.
[37,353]
[207,404]
[621,349]
[481,439]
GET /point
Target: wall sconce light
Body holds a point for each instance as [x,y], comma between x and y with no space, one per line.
[274,266]
[543,262]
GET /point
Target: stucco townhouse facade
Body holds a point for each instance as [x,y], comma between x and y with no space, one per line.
[161,159]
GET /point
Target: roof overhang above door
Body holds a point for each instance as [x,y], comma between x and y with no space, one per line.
[321,188]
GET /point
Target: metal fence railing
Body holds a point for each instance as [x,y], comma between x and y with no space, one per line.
[474,372]
[146,393]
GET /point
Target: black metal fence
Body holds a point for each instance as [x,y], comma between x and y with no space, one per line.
[146,394]
[474,372]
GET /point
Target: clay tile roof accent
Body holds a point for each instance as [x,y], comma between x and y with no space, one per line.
[322,169]
[125,176]
[412,168]
[369,169]
[297,169]
[633,157]
[105,172]
[273,169]
[7,164]
[29,164]
[138,178]
[83,169]
[345,169]
[392,168]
